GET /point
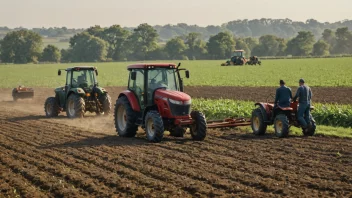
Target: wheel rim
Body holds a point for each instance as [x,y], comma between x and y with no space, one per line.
[122,118]
[48,109]
[278,126]
[256,123]
[71,107]
[150,127]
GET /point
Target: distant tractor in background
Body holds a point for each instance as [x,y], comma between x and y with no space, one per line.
[80,94]
[253,60]
[237,58]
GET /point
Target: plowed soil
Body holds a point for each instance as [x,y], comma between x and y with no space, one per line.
[41,157]
[341,95]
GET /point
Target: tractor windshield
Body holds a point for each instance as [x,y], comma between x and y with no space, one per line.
[83,78]
[237,54]
[162,77]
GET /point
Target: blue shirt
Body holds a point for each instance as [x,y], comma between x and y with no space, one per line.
[283,96]
[304,93]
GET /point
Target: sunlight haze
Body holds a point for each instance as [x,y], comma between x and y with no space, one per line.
[85,13]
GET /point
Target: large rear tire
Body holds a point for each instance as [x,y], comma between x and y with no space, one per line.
[75,106]
[105,101]
[51,107]
[199,128]
[281,125]
[257,122]
[154,126]
[125,118]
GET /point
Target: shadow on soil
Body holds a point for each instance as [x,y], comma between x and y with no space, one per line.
[33,117]
[249,136]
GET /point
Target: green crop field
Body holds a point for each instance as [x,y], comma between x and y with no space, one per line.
[317,72]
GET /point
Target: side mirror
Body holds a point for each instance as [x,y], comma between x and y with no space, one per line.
[133,75]
[187,73]
[179,64]
[96,72]
[59,72]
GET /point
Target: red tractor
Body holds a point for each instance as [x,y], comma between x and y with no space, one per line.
[155,100]
[283,118]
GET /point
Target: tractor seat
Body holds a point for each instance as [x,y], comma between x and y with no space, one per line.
[286,108]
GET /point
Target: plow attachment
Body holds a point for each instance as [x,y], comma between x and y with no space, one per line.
[228,122]
[22,92]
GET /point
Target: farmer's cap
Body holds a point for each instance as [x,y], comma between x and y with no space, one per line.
[301,80]
[282,82]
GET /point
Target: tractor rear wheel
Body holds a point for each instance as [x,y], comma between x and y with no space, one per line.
[311,130]
[154,126]
[281,126]
[257,122]
[125,118]
[199,128]
[105,101]
[177,132]
[51,107]
[75,106]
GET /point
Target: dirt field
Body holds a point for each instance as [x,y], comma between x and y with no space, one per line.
[59,157]
[341,95]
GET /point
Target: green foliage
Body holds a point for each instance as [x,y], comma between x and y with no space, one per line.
[221,45]
[87,48]
[321,48]
[241,45]
[196,47]
[324,114]
[21,46]
[175,48]
[51,54]
[269,45]
[343,41]
[301,45]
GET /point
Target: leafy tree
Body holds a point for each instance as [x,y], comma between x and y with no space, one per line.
[301,45]
[87,48]
[51,54]
[343,41]
[142,41]
[66,55]
[269,45]
[251,42]
[321,48]
[196,47]
[22,46]
[175,48]
[241,45]
[221,45]
[116,37]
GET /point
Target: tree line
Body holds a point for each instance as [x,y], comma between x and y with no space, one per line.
[282,28]
[115,43]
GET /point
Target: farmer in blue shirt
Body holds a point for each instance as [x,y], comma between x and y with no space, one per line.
[304,93]
[283,95]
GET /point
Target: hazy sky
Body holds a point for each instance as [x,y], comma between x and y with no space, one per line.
[85,13]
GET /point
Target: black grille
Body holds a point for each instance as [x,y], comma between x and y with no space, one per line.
[180,110]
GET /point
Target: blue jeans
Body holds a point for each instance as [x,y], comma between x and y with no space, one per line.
[303,114]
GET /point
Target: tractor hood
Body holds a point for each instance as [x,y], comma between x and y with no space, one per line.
[173,95]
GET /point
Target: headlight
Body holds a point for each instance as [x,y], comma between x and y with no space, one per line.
[188,102]
[175,101]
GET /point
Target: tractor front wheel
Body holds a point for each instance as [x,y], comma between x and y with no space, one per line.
[281,126]
[154,126]
[125,118]
[51,107]
[311,130]
[75,106]
[199,128]
[257,122]
[105,101]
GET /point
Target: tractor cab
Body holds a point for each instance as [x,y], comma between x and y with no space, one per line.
[155,100]
[146,82]
[238,53]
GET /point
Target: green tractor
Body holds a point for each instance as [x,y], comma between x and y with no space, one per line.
[237,59]
[80,94]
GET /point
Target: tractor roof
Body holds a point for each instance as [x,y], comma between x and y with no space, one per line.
[239,51]
[81,67]
[151,65]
